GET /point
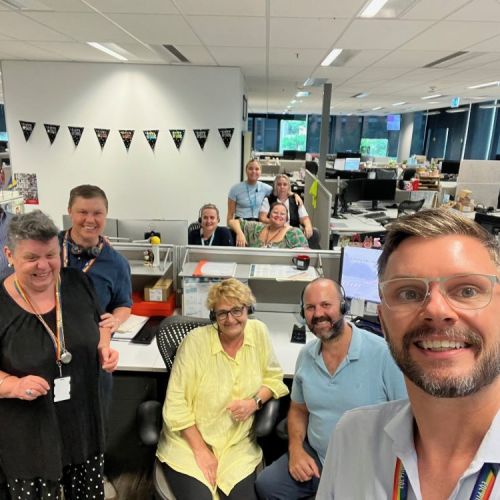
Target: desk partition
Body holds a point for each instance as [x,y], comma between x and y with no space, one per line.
[319,214]
[482,177]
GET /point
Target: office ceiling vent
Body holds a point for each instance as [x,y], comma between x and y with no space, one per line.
[315,82]
[453,59]
[176,53]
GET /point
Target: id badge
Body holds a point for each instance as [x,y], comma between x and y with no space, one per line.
[62,389]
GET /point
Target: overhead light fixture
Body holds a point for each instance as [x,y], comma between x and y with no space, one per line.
[433,96]
[315,82]
[457,110]
[331,57]
[489,106]
[372,8]
[433,102]
[360,95]
[400,103]
[105,49]
[432,113]
[303,93]
[377,108]
[484,85]
[293,101]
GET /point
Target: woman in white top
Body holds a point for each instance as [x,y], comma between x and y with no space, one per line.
[282,192]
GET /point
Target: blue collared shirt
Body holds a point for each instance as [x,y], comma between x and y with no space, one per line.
[249,198]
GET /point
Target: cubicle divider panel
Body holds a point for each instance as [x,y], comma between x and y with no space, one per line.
[319,209]
[482,177]
[173,232]
[308,202]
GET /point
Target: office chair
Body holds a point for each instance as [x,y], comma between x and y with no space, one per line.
[386,173]
[314,240]
[194,226]
[407,207]
[149,414]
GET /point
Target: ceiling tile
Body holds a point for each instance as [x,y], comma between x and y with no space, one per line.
[306,33]
[198,55]
[24,50]
[157,29]
[292,73]
[134,7]
[478,10]
[238,56]
[432,10]
[66,6]
[322,8]
[222,7]
[230,31]
[410,58]
[379,33]
[491,45]
[82,27]
[20,27]
[296,57]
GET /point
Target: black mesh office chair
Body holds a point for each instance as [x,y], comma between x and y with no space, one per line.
[149,414]
[314,240]
[407,207]
[194,226]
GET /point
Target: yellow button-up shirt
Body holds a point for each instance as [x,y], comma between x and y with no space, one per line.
[203,381]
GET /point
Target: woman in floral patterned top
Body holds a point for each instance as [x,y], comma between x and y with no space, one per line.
[276,234]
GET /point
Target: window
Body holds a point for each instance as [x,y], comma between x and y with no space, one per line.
[347,133]
[265,134]
[480,130]
[380,136]
[293,135]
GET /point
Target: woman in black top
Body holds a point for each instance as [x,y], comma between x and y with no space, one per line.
[210,234]
[51,348]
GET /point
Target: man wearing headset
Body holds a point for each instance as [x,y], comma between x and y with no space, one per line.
[344,368]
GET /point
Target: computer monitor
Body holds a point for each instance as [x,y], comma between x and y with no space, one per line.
[347,174]
[375,190]
[339,164]
[450,167]
[489,222]
[348,154]
[292,154]
[358,273]
[351,164]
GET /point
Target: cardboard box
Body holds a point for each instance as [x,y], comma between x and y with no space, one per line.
[158,292]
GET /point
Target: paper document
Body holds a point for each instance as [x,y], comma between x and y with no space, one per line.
[129,328]
[281,272]
[217,269]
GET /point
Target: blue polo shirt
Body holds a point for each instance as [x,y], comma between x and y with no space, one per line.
[368,375]
[5,270]
[110,275]
[249,198]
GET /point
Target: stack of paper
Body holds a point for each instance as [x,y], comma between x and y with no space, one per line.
[128,329]
[218,269]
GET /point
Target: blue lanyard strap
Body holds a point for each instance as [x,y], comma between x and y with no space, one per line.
[254,203]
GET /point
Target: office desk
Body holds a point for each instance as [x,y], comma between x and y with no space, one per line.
[147,358]
[359,224]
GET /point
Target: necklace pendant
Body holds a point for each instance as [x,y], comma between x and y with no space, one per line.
[66,357]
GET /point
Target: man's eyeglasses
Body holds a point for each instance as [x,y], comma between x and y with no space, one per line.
[463,291]
[235,312]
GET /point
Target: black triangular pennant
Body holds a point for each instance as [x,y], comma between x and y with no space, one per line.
[76,134]
[151,137]
[102,135]
[27,128]
[226,135]
[201,135]
[51,131]
[126,136]
[177,135]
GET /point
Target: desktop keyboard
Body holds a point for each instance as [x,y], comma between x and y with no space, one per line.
[375,215]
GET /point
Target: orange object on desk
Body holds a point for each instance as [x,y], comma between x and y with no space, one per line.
[145,308]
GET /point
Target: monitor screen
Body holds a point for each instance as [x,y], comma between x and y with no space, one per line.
[358,273]
[351,164]
[393,122]
[352,191]
[4,137]
[450,167]
[339,164]
[379,189]
[348,154]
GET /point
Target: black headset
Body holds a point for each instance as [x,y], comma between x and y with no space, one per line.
[343,303]
[213,316]
[91,252]
[204,207]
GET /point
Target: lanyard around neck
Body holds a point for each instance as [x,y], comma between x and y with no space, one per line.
[57,337]
[482,489]
[209,242]
[253,203]
[66,243]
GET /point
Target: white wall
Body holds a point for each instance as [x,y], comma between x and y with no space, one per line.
[166,183]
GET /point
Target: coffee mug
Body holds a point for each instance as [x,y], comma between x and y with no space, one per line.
[301,262]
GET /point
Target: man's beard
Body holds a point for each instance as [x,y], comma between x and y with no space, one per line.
[486,369]
[337,327]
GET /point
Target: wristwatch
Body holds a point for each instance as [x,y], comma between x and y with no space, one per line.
[258,402]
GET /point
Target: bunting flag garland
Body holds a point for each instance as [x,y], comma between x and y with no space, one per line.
[226,135]
[102,135]
[151,137]
[76,134]
[201,135]
[27,128]
[126,136]
[177,136]
[51,131]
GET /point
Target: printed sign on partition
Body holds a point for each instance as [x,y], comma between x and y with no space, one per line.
[27,128]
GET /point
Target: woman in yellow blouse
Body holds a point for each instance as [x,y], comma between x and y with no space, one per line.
[222,375]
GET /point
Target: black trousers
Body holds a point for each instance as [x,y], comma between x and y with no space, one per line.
[185,487]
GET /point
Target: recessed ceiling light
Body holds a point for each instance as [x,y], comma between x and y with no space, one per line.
[399,103]
[457,110]
[303,93]
[331,57]
[105,49]
[434,96]
[432,113]
[372,8]
[377,108]
[360,95]
[433,102]
[489,106]
[484,85]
